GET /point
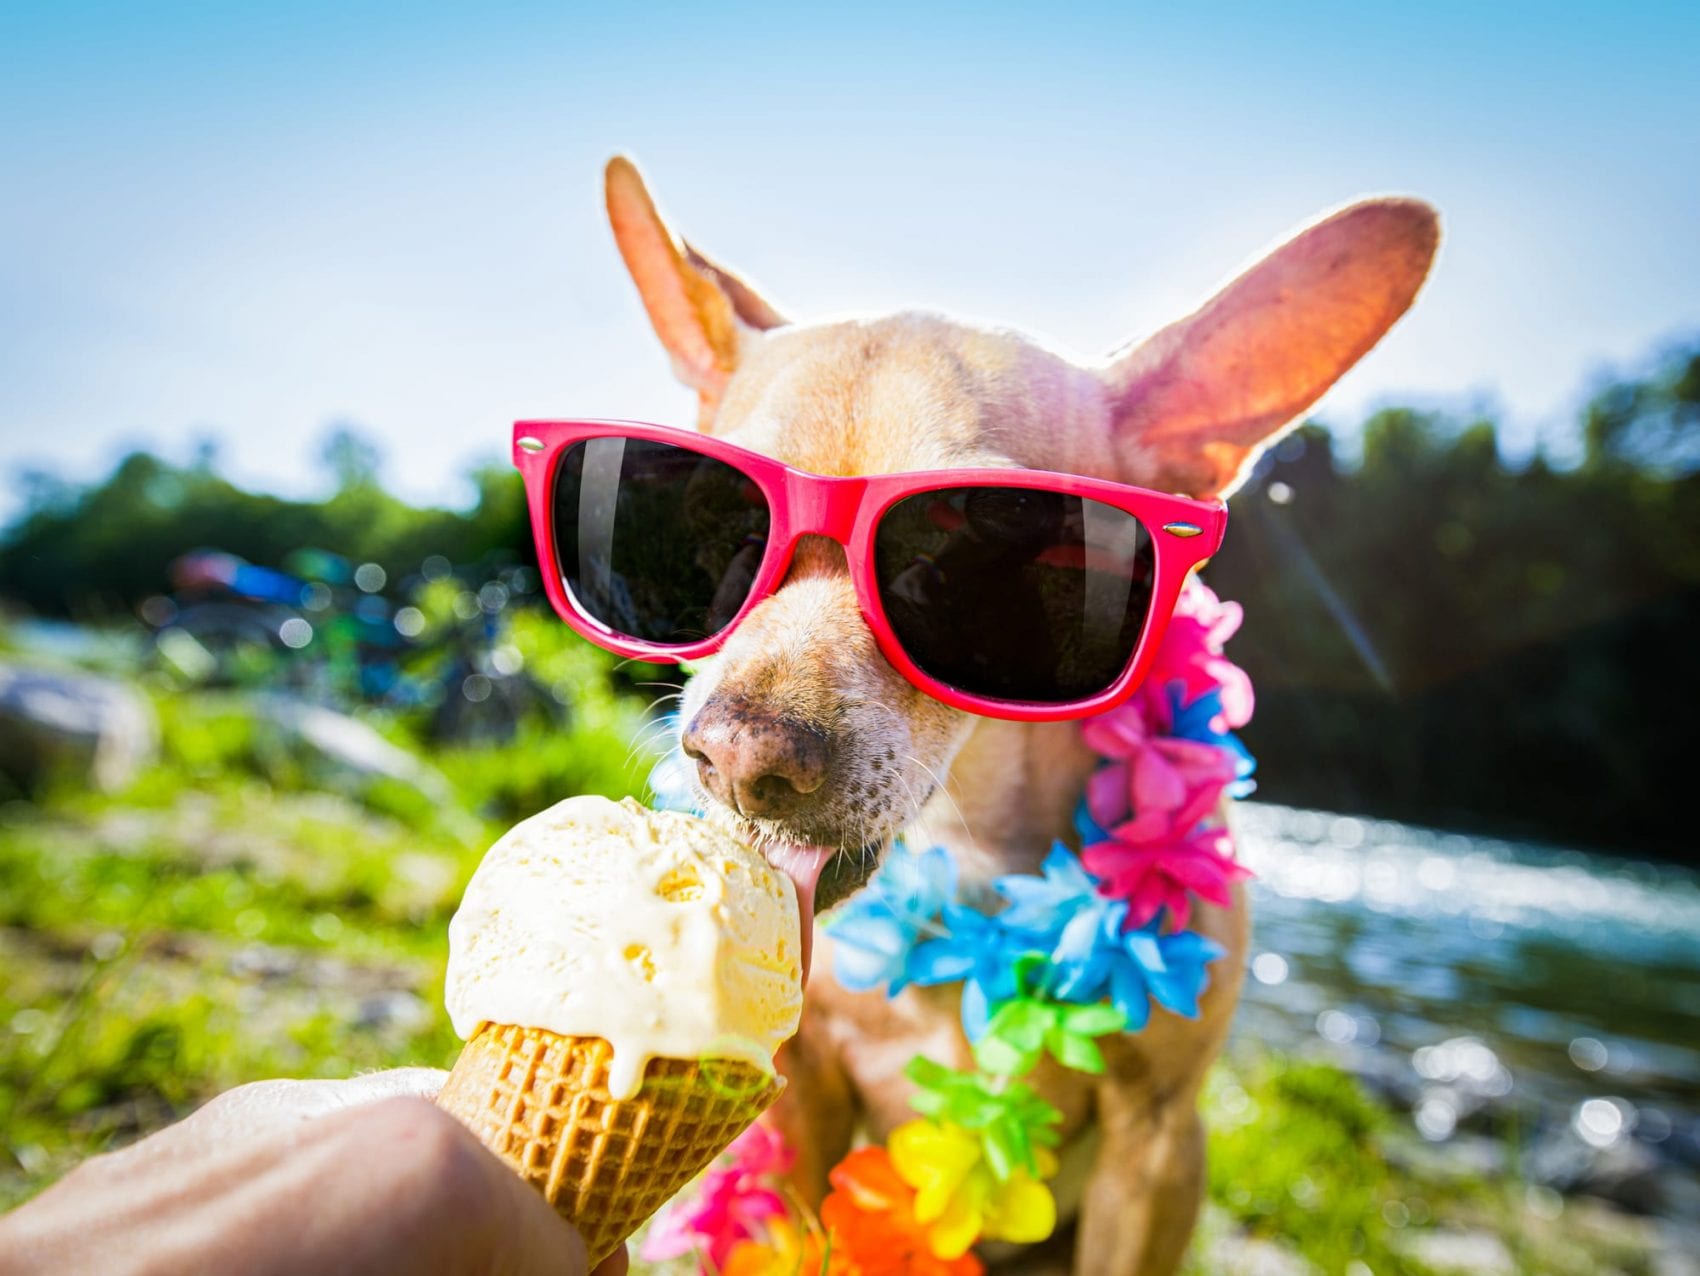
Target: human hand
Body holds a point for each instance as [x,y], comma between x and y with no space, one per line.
[360,1176]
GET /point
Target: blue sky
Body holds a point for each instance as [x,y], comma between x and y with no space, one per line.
[245,223]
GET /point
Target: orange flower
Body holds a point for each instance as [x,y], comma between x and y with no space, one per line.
[870,1221]
[786,1252]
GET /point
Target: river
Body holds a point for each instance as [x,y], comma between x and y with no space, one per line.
[1557,984]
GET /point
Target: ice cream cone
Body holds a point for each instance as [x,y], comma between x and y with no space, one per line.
[622,978]
[542,1103]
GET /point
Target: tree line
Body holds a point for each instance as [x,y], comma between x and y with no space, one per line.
[1437,632]
[1441,636]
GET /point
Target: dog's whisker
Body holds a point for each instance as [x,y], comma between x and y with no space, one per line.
[629,662]
[652,731]
[939,786]
[657,729]
[658,701]
[910,805]
[650,739]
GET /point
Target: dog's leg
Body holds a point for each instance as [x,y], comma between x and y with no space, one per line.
[1145,1190]
[818,1111]
[1180,1192]
[1147,1181]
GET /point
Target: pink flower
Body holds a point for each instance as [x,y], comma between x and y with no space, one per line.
[1191,655]
[1154,877]
[732,1202]
[1156,788]
[761,1149]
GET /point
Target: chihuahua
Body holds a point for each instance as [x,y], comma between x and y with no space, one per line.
[805,736]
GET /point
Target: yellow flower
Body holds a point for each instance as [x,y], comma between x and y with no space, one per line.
[958,1198]
[1022,1209]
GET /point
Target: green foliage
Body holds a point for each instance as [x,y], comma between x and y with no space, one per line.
[103,549]
[243,910]
[1440,636]
[222,921]
[1302,1159]
[1436,634]
[1652,424]
[213,735]
[597,754]
[1280,1137]
[352,459]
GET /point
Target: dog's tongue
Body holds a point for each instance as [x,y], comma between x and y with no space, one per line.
[803,865]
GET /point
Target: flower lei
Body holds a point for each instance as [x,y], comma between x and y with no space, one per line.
[1075,953]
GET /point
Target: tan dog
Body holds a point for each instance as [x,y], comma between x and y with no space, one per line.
[803,733]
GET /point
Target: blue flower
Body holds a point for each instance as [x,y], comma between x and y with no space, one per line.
[1197,721]
[670,778]
[1043,906]
[917,883]
[874,934]
[1183,978]
[1057,927]
[1095,959]
[980,951]
[1090,956]
[669,782]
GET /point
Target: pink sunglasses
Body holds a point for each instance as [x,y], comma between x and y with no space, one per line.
[1010,593]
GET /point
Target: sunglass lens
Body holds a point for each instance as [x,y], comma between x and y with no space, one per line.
[1015,593]
[655,541]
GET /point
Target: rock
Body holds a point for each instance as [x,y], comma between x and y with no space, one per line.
[1679,1250]
[1478,1253]
[397,1008]
[1388,1078]
[347,750]
[1625,1172]
[263,961]
[1628,1174]
[1684,1142]
[1248,1256]
[94,730]
[1679,1192]
[1463,1157]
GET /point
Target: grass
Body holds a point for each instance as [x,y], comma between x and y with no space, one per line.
[1303,1160]
[239,911]
[229,917]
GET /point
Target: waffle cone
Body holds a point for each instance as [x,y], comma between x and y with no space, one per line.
[540,1102]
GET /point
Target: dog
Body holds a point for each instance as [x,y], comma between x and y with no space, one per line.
[802,734]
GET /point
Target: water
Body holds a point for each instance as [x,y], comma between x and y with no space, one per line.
[1578,973]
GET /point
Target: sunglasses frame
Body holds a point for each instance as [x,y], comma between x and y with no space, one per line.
[1184,533]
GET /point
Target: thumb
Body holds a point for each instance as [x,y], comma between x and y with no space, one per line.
[264,1106]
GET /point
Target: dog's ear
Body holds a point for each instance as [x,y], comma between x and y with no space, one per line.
[1193,404]
[702,312]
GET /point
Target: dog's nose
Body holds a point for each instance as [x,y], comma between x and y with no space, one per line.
[757,763]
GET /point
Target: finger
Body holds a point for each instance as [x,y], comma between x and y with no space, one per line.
[429,1199]
[616,1264]
[539,1241]
[266,1106]
[419,1083]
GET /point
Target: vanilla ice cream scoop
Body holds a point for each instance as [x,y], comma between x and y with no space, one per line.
[653,930]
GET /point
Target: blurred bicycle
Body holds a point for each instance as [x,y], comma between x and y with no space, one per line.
[326,630]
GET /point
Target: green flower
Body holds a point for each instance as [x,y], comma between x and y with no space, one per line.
[1009,1117]
[1026,1026]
